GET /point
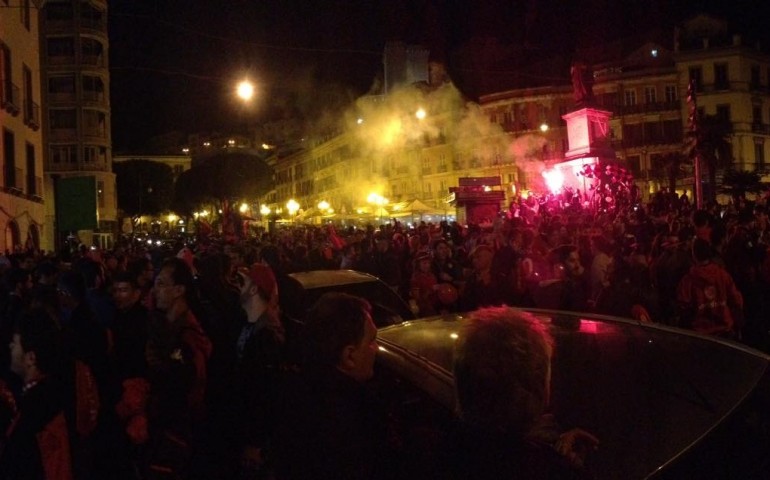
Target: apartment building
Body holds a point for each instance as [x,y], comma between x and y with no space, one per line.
[76,108]
[22,209]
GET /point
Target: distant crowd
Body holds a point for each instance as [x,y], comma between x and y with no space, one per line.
[166,362]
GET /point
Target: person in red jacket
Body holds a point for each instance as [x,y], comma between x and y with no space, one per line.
[709,301]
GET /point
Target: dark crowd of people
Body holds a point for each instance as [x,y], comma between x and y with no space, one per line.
[177,362]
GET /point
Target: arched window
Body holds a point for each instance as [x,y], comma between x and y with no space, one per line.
[12,236]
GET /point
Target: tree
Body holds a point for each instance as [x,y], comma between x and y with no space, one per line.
[737,183]
[669,166]
[221,179]
[144,187]
[711,142]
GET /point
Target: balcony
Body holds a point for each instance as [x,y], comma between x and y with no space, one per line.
[647,108]
[10,97]
[54,59]
[31,114]
[761,128]
[98,24]
[93,96]
[62,97]
[93,60]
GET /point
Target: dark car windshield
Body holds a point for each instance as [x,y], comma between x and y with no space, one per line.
[387,307]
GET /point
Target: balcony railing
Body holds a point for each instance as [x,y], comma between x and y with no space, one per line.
[93,96]
[31,114]
[62,97]
[90,59]
[10,97]
[761,128]
[647,107]
[54,59]
[94,24]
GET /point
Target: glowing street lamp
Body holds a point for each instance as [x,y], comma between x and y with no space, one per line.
[420,113]
[292,206]
[323,205]
[245,90]
[544,127]
[264,210]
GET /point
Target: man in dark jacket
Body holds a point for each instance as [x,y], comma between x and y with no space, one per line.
[38,441]
[327,423]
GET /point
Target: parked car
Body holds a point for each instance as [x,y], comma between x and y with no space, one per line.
[301,290]
[665,403]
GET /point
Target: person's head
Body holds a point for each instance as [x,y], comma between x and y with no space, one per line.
[503,369]
[19,280]
[71,287]
[125,290]
[340,333]
[443,250]
[422,262]
[92,272]
[565,261]
[35,346]
[174,283]
[141,268]
[258,282]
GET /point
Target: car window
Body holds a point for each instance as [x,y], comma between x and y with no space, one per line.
[387,307]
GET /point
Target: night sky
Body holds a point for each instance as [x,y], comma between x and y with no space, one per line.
[174,63]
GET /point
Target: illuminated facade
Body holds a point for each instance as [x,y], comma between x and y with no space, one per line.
[76,105]
[22,209]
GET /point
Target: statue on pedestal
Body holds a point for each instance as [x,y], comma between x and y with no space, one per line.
[582,83]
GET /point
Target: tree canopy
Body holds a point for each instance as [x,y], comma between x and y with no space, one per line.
[222,177]
[144,187]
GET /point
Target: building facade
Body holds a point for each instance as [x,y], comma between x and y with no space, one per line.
[74,48]
[22,190]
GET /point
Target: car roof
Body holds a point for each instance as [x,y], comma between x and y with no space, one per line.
[648,392]
[324,278]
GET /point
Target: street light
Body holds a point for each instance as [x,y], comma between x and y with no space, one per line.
[292,206]
[245,90]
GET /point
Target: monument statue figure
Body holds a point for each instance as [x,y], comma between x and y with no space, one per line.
[582,83]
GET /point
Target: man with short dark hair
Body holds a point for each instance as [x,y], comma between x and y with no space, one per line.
[328,425]
[38,441]
[566,290]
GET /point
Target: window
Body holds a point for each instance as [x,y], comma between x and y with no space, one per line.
[61,47]
[63,119]
[29,104]
[93,88]
[91,50]
[59,11]
[634,164]
[671,93]
[9,158]
[426,166]
[5,73]
[649,95]
[443,190]
[426,187]
[64,154]
[721,80]
[756,115]
[94,123]
[723,113]
[25,13]
[759,153]
[755,81]
[32,188]
[94,154]
[696,77]
[61,87]
[89,15]
[630,97]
